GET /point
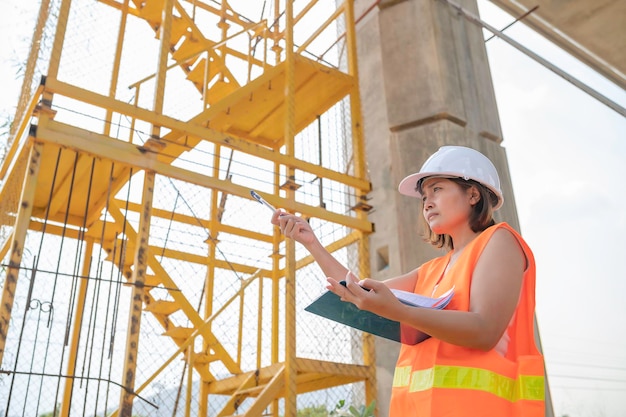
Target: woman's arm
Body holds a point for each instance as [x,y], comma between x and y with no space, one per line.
[298,229]
[495,291]
[405,282]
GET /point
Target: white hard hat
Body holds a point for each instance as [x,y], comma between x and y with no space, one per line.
[456,162]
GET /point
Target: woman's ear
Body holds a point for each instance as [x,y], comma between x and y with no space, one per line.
[474,195]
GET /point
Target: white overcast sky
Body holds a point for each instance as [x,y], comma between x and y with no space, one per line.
[567,156]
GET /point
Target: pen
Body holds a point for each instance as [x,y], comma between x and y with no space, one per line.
[261,200]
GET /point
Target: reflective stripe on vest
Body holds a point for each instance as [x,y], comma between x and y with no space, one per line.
[525,387]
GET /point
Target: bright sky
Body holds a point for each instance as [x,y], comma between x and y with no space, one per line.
[567,155]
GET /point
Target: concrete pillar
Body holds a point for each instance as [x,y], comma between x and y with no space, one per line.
[425,82]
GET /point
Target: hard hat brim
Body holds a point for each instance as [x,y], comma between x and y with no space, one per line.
[408,186]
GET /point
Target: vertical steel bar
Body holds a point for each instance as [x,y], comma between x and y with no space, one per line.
[59,38]
[39,306]
[140,264]
[64,247]
[75,339]
[360,171]
[290,266]
[240,328]
[57,45]
[188,395]
[275,32]
[164,49]
[119,276]
[116,64]
[320,160]
[223,25]
[215,216]
[141,255]
[259,326]
[276,239]
[22,222]
[355,96]
[77,301]
[112,294]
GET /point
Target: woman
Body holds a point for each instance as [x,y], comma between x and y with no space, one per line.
[481,358]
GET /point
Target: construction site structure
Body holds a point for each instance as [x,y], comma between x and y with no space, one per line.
[139,277]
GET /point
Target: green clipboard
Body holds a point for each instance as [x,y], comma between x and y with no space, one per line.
[330,306]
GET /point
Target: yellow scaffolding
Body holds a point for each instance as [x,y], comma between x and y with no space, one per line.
[136,267]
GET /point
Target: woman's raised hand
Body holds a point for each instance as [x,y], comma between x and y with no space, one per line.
[294,227]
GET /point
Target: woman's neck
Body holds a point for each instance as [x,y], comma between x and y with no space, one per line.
[461,238]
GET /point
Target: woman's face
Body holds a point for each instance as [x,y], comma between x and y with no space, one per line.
[446,204]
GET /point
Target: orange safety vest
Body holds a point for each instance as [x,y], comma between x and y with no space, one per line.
[438,379]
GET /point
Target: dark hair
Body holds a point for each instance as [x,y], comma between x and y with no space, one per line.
[481,216]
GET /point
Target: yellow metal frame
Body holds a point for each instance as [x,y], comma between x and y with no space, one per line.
[289,95]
